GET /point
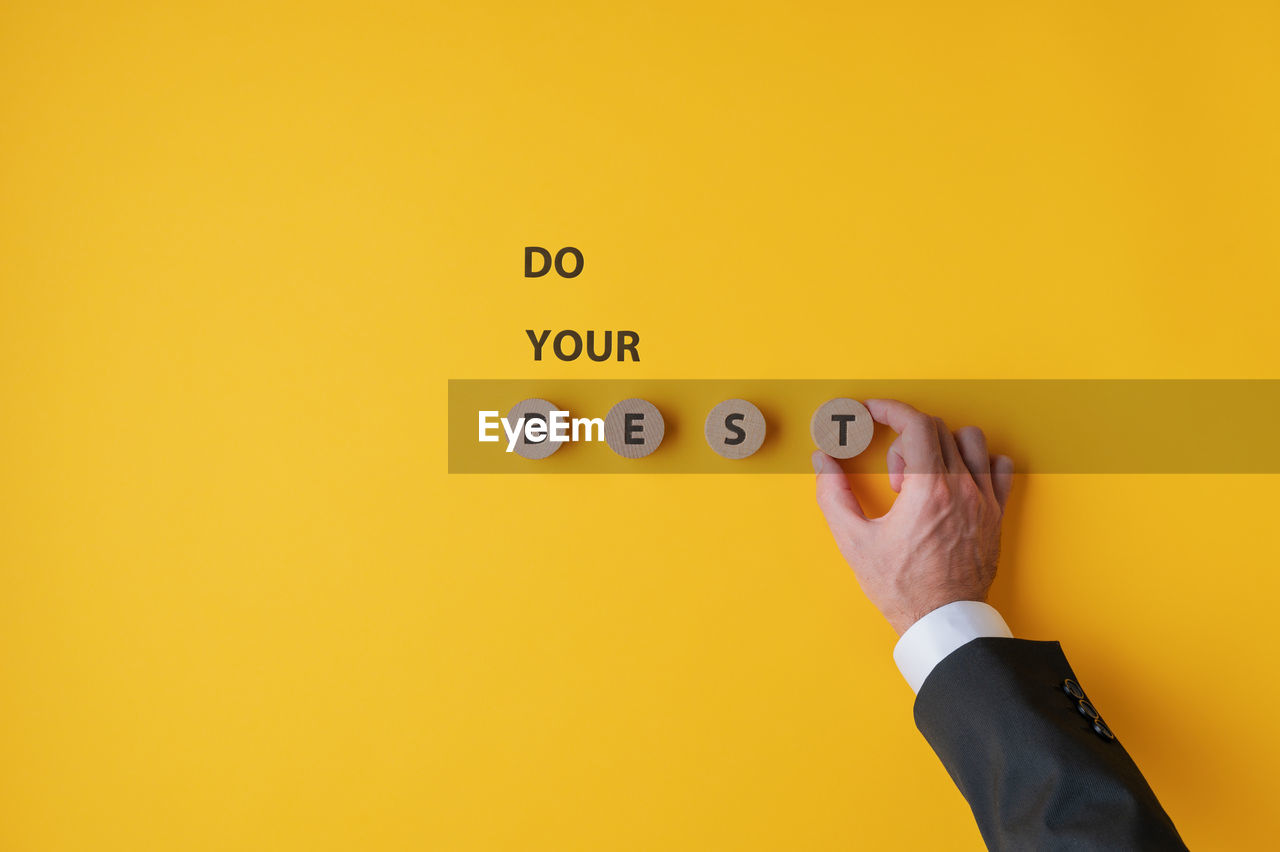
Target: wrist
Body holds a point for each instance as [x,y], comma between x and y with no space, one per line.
[937,634]
[906,616]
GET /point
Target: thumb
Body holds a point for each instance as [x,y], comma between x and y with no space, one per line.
[835,499]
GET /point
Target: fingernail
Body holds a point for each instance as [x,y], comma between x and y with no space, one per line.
[818,463]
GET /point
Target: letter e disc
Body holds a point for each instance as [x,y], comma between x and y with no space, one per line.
[633,428]
[842,427]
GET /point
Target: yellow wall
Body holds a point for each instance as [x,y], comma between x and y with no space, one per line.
[243,247]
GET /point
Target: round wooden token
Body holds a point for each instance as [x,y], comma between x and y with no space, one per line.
[531,409]
[735,428]
[842,427]
[633,428]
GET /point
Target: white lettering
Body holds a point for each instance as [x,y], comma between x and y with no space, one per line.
[485,426]
[559,426]
[587,423]
[513,433]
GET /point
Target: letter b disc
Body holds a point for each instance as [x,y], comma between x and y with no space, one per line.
[527,408]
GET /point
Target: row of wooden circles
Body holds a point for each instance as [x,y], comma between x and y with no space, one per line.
[735,428]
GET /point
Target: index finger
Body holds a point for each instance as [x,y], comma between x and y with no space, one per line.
[919,435]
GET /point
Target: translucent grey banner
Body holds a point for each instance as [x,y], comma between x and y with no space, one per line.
[1047,426]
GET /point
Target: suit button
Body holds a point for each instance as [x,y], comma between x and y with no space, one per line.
[1087,710]
[1070,687]
[1100,727]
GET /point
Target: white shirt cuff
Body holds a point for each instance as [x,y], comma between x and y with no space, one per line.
[928,642]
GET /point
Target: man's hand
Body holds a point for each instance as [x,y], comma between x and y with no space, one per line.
[940,541]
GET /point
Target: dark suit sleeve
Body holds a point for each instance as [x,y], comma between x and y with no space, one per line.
[1026,747]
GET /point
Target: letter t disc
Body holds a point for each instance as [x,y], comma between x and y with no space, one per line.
[842,427]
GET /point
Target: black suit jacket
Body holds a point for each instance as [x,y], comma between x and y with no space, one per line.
[1037,764]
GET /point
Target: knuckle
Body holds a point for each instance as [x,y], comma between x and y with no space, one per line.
[920,420]
[938,490]
[847,541]
[827,502]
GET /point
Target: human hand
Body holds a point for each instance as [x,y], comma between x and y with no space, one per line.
[940,540]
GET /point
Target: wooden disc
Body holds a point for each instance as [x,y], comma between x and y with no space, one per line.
[735,428]
[526,408]
[633,428]
[842,427]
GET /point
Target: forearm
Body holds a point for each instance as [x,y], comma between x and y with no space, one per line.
[1037,772]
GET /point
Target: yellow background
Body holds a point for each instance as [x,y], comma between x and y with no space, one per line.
[243,246]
